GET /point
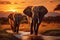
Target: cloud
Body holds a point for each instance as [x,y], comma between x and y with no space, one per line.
[5,2]
[15,3]
[56,0]
[51,1]
[23,2]
[19,7]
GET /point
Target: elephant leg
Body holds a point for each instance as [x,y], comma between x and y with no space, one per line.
[31,28]
[12,28]
[12,25]
[15,26]
[37,26]
[17,29]
[34,26]
[36,29]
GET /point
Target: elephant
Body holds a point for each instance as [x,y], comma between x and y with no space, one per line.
[36,13]
[15,20]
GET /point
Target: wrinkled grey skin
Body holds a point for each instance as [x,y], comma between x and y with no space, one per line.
[15,20]
[39,12]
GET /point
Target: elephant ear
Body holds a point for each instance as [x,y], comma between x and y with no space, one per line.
[27,11]
[43,10]
[10,16]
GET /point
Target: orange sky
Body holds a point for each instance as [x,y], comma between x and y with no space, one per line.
[19,5]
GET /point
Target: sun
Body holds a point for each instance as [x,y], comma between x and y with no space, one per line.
[12,10]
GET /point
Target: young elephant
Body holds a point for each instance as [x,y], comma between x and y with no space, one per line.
[36,13]
[14,20]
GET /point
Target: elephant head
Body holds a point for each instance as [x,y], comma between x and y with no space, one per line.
[36,9]
[18,17]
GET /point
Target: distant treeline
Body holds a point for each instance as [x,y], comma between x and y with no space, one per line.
[3,20]
[50,19]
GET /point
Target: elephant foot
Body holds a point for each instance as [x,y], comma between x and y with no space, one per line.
[31,33]
[35,33]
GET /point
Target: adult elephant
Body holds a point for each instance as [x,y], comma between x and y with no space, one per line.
[15,20]
[36,13]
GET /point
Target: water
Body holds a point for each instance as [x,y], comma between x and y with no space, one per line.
[26,36]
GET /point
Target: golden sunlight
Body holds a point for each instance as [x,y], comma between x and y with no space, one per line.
[12,10]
